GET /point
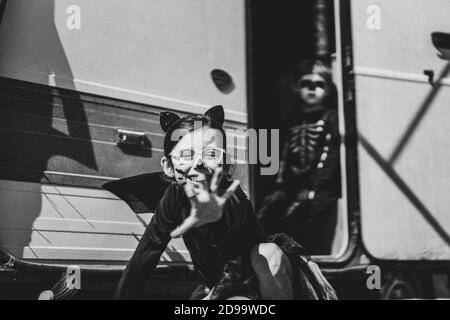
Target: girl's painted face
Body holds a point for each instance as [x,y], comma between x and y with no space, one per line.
[312,89]
[197,154]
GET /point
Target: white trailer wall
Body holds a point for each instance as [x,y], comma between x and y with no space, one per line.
[403,122]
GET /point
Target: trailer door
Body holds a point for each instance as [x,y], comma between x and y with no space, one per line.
[403,118]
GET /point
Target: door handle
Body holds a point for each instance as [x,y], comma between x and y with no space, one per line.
[131,138]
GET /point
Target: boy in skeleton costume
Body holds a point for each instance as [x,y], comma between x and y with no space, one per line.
[308,184]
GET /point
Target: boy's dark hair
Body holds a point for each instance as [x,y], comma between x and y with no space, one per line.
[311,66]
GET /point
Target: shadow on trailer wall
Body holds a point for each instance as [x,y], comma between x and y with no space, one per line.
[55,138]
[26,153]
[402,94]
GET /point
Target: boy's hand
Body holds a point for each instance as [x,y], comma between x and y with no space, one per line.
[206,204]
[301,197]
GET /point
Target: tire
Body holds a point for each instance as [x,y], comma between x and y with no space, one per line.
[400,286]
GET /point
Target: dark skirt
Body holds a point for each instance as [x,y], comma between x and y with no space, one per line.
[308,282]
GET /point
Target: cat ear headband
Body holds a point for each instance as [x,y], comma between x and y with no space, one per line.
[215,115]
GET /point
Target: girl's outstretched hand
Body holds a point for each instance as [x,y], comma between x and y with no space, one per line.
[206,204]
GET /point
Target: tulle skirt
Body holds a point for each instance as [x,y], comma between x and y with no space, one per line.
[308,281]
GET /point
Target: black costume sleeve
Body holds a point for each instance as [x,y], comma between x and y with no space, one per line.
[239,211]
[243,230]
[149,250]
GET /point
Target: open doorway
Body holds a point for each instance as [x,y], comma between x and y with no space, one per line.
[282,36]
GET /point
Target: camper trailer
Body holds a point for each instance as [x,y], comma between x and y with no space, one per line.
[81,87]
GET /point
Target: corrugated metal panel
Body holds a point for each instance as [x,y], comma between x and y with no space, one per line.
[43,222]
[47,130]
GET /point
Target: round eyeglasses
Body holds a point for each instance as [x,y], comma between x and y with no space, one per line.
[207,155]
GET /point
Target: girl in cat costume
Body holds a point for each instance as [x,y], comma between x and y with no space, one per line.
[205,206]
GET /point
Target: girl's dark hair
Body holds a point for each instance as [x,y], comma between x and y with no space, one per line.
[213,118]
[188,124]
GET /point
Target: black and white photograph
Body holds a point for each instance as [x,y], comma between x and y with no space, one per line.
[257,150]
